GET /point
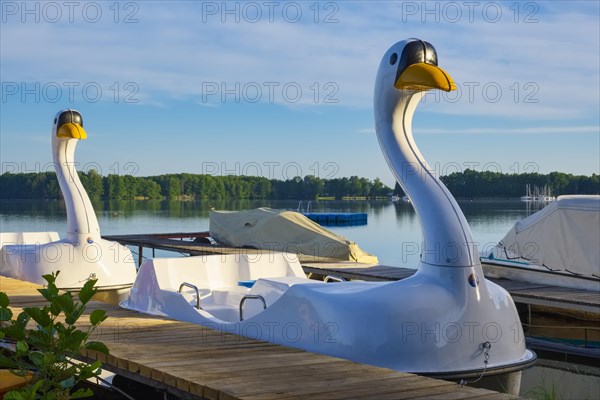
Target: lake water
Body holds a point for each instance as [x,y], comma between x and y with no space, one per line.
[393,233]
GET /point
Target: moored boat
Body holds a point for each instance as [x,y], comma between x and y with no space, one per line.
[558,246]
[82,255]
[446,320]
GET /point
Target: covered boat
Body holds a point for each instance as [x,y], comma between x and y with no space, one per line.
[286,231]
[558,245]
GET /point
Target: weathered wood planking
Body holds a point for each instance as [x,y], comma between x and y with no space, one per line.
[202,362]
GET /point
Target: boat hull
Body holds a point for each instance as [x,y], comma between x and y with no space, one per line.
[431,323]
[110,263]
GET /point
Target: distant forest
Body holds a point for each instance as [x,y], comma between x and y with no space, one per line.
[466,184]
[190,187]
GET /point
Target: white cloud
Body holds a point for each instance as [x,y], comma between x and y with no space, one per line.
[171,53]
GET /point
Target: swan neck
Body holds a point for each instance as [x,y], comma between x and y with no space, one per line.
[447,238]
[82,224]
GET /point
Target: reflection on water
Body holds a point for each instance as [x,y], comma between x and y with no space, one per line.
[393,233]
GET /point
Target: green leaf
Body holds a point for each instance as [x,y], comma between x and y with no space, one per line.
[65,301]
[97,316]
[60,328]
[36,357]
[5,314]
[97,346]
[23,319]
[51,278]
[49,292]
[55,308]
[73,316]
[26,393]
[4,302]
[74,340]
[15,332]
[50,358]
[22,346]
[17,329]
[88,291]
[6,362]
[39,338]
[39,315]
[18,395]
[82,393]
[90,371]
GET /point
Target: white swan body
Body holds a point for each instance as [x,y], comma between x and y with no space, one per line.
[438,322]
[83,254]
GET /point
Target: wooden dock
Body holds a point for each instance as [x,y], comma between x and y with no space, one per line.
[195,362]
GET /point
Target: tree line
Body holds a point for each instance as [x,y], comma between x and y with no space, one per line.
[466,184]
[44,185]
[474,184]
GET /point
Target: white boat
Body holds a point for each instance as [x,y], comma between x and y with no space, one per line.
[82,255]
[538,195]
[558,245]
[528,196]
[446,320]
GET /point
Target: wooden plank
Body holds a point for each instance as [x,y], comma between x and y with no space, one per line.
[311,386]
[334,392]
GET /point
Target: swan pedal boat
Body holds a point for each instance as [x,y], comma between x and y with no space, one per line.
[445,321]
[82,255]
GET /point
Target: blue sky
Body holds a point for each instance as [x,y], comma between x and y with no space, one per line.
[285,88]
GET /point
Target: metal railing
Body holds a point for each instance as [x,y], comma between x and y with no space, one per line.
[186,284]
[333,278]
[252,297]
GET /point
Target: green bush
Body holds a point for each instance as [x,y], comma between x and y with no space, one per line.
[45,352]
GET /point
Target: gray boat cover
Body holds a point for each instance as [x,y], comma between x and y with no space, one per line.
[289,231]
[564,236]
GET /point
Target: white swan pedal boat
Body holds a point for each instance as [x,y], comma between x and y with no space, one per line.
[82,255]
[445,321]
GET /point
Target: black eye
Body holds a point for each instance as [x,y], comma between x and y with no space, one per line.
[55,119]
[393,58]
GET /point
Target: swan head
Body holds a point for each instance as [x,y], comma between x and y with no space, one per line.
[412,65]
[408,67]
[68,124]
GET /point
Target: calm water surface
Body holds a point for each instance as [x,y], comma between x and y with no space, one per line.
[393,233]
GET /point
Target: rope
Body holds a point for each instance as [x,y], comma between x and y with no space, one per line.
[486,357]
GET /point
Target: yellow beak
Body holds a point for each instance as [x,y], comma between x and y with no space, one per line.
[422,76]
[72,131]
